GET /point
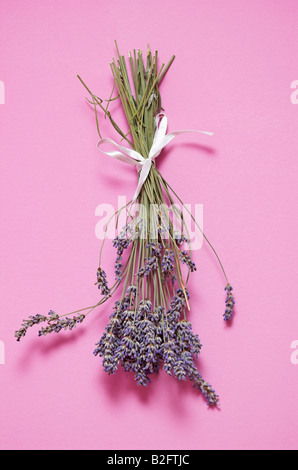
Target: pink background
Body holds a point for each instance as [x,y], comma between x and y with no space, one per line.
[235,62]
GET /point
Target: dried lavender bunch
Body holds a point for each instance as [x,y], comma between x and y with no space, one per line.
[149,328]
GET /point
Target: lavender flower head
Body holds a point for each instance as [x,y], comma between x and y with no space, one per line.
[230,302]
[102,282]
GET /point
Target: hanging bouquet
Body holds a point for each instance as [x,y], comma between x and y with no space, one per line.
[148,328]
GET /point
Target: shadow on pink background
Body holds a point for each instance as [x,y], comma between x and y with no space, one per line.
[235,62]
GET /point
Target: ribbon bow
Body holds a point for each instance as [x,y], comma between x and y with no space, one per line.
[160,140]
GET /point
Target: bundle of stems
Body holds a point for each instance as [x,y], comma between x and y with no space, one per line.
[148,328]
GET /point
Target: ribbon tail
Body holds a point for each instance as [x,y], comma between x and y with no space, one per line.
[174,133]
[142,178]
[161,139]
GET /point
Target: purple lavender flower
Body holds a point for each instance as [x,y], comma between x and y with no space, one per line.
[132,291]
[102,282]
[121,242]
[230,301]
[32,320]
[156,315]
[190,340]
[180,238]
[142,378]
[56,324]
[147,344]
[167,263]
[178,301]
[145,308]
[153,262]
[106,348]
[205,388]
[186,259]
[169,355]
[108,344]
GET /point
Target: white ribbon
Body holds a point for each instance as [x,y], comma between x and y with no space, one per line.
[160,140]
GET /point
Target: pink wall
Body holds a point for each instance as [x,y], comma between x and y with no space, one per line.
[235,62]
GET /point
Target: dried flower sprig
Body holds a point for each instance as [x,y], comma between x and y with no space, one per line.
[148,329]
